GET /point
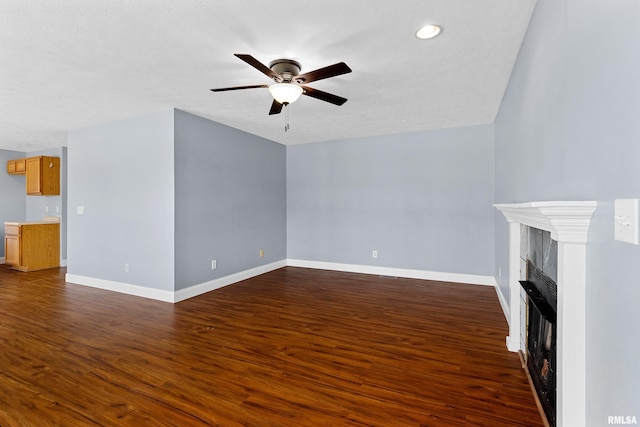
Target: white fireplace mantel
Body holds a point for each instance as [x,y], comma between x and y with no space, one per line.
[568,222]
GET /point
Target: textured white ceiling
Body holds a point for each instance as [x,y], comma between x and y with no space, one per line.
[68,64]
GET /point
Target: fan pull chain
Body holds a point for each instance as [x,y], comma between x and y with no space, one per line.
[286,116]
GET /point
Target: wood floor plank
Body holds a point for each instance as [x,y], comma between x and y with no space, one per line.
[294,347]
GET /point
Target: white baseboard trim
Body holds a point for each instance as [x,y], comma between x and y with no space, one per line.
[205,287]
[123,288]
[503,303]
[171,296]
[201,288]
[397,272]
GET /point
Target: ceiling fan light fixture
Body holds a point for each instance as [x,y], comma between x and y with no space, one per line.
[285,93]
[428,31]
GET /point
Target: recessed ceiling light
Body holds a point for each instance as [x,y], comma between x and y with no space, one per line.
[428,32]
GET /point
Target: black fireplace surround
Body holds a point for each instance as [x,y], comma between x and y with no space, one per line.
[541,337]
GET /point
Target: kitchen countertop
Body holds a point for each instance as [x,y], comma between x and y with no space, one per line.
[30,222]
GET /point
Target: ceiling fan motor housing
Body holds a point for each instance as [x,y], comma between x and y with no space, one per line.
[286,69]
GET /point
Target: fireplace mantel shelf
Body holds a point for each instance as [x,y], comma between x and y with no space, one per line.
[567,221]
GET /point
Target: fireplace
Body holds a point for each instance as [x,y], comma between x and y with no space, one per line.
[567,223]
[541,337]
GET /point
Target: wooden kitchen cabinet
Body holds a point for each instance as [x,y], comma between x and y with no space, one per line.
[17,167]
[11,249]
[43,176]
[32,246]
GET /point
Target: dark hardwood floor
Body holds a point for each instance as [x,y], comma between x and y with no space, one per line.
[294,347]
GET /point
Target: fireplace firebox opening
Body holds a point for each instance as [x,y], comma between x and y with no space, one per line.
[541,324]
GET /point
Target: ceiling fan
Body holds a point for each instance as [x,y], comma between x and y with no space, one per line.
[289,83]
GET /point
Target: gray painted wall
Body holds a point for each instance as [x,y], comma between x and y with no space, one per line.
[12,194]
[422,200]
[230,189]
[122,173]
[568,129]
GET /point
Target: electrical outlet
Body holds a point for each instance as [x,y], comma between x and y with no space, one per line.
[374,254]
[261,253]
[126,268]
[499,271]
[214,264]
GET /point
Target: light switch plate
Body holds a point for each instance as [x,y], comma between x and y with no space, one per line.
[626,220]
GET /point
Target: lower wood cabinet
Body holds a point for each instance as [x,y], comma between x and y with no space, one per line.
[11,249]
[32,246]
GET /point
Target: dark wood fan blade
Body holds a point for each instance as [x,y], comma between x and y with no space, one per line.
[276,108]
[323,96]
[223,89]
[323,73]
[256,64]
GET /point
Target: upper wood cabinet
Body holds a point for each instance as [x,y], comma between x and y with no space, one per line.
[17,167]
[43,176]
